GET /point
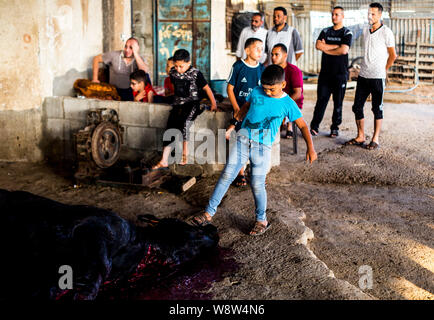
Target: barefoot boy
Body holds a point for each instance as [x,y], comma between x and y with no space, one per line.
[142,89]
[244,77]
[263,113]
[187,82]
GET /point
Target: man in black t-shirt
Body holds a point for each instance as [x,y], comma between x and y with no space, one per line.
[334,42]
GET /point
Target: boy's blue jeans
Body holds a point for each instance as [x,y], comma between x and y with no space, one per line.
[259,155]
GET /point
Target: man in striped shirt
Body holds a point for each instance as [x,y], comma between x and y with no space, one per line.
[285,34]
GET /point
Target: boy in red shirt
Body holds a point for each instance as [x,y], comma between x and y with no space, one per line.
[293,78]
[142,89]
[169,90]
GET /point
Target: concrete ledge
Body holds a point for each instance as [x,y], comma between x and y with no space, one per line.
[144,126]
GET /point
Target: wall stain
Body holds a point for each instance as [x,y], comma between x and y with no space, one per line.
[84,14]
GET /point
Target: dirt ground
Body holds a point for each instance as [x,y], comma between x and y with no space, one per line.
[351,208]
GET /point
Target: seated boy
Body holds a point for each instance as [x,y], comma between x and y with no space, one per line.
[142,89]
[187,82]
[263,113]
[244,77]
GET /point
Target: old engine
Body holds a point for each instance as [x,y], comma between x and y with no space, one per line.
[98,145]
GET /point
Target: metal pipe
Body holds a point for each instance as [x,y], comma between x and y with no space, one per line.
[409,89]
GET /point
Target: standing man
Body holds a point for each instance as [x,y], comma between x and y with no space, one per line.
[334,42]
[378,58]
[121,64]
[283,33]
[254,31]
[293,79]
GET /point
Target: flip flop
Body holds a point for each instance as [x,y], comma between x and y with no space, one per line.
[354,142]
[334,133]
[372,146]
[314,133]
[259,229]
[289,134]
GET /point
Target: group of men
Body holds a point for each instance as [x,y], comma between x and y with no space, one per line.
[334,42]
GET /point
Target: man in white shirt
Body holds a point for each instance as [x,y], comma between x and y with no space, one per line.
[283,33]
[254,31]
[378,58]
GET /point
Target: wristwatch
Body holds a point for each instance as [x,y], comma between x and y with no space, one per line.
[234,122]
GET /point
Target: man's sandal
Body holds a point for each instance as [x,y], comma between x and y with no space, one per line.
[313,133]
[334,133]
[354,142]
[289,134]
[200,220]
[372,146]
[259,229]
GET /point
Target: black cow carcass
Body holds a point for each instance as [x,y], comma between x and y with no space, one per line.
[38,236]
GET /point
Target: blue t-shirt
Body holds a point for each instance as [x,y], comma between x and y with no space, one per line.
[265,115]
[244,78]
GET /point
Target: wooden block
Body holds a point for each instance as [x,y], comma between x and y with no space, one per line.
[155,178]
[179,184]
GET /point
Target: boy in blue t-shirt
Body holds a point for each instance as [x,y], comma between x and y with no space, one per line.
[262,113]
[244,77]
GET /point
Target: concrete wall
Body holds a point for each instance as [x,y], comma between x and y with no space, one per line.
[143,16]
[45,47]
[221,58]
[144,125]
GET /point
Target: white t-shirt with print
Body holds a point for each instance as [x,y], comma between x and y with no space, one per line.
[247,33]
[376,54]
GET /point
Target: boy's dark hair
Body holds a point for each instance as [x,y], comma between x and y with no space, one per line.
[251,41]
[281,46]
[181,55]
[273,74]
[281,9]
[170,59]
[139,76]
[338,7]
[376,5]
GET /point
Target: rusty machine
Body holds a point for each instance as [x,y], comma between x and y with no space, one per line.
[98,151]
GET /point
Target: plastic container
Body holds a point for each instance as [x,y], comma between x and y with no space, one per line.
[219,86]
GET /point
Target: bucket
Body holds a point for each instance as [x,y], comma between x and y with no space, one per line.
[219,86]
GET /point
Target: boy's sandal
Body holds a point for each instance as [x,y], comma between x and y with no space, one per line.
[259,229]
[354,142]
[200,220]
[372,146]
[313,133]
[241,181]
[159,166]
[289,134]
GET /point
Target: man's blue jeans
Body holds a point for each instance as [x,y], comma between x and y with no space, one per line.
[259,155]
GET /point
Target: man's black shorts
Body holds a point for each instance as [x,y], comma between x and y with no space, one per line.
[365,87]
